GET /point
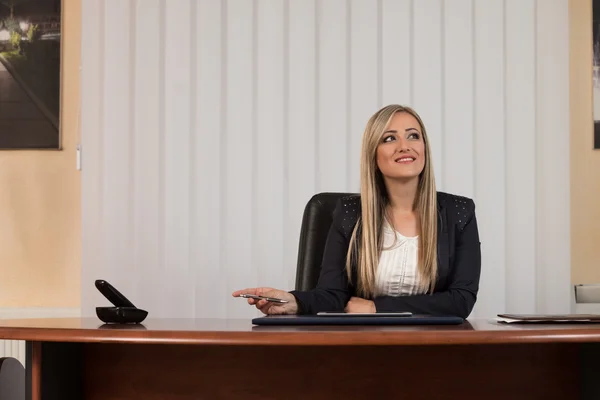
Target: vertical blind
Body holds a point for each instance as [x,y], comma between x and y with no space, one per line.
[208,124]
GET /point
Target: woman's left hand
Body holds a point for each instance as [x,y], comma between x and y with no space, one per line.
[359,305]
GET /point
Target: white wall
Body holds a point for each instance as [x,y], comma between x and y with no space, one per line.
[208,124]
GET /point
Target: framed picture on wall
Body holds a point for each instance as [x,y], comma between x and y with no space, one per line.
[596,69]
[30,59]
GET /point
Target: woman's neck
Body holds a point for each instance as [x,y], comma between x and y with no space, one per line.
[401,195]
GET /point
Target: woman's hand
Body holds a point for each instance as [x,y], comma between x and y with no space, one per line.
[359,305]
[267,307]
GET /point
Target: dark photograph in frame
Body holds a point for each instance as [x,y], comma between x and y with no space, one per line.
[30,64]
[596,70]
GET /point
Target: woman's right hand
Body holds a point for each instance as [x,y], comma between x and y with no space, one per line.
[267,307]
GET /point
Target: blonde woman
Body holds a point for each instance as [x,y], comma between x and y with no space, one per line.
[398,246]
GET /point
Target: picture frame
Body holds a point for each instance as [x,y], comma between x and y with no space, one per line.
[30,74]
[596,71]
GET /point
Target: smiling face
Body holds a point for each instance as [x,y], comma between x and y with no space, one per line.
[401,150]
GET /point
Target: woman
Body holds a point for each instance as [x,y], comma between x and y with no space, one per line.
[400,245]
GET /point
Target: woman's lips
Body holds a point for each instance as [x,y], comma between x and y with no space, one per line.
[405,160]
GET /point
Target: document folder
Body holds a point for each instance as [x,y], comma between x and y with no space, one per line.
[548,318]
[356,320]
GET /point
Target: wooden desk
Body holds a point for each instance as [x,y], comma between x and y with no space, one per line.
[231,359]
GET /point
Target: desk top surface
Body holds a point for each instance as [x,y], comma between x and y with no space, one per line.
[242,332]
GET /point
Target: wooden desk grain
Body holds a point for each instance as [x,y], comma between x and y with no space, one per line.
[242,332]
[230,359]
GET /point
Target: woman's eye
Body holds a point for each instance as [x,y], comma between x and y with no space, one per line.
[388,139]
[414,136]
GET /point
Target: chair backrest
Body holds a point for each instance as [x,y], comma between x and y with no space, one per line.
[12,379]
[316,221]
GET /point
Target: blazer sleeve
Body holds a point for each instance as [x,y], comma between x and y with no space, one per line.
[459,297]
[331,293]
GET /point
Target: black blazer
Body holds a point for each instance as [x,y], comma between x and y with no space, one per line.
[459,264]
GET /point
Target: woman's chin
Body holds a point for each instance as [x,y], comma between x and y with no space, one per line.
[403,177]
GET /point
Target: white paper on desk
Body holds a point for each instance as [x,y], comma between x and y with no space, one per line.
[549,321]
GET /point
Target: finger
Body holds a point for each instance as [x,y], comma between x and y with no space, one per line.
[268,307]
[265,309]
[280,309]
[275,310]
[262,303]
[237,293]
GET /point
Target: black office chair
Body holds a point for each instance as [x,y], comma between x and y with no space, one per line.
[316,221]
[12,379]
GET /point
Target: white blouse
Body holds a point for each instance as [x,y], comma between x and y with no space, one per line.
[397,273]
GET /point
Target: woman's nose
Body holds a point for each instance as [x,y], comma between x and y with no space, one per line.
[402,145]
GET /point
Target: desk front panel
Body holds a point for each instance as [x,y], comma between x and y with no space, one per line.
[96,371]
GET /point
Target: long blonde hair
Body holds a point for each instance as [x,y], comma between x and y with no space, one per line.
[366,240]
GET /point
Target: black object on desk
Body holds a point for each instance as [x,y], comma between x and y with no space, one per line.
[356,320]
[123,312]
